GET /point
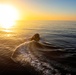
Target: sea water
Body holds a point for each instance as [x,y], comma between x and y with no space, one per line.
[57,33]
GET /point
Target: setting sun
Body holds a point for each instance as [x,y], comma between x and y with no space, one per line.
[8,15]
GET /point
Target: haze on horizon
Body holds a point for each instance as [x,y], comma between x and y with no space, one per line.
[44,9]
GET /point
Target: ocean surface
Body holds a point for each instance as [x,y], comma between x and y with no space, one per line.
[14,44]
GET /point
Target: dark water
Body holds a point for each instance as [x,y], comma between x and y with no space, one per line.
[47,61]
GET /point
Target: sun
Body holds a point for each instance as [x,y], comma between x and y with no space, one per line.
[8,15]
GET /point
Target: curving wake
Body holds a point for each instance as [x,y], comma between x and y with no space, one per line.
[44,57]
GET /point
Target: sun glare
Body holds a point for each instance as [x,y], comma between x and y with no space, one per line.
[8,16]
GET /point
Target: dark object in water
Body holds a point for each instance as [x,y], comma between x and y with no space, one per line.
[36,37]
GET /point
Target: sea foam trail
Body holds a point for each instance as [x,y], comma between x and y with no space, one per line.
[43,57]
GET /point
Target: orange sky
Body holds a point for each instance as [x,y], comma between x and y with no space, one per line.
[41,10]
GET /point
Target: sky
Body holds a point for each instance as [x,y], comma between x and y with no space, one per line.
[44,9]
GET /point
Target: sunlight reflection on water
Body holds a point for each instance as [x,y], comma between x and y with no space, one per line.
[7,30]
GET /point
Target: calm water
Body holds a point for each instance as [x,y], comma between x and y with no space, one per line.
[57,33]
[61,33]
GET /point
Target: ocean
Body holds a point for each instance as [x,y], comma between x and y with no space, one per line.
[46,61]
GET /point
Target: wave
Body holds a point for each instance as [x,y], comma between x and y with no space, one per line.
[44,57]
